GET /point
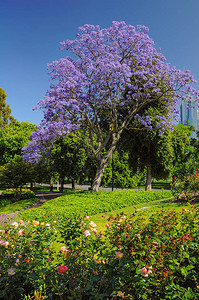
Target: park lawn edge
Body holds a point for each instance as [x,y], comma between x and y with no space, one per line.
[74,203]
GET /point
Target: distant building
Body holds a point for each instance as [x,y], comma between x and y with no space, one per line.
[189,114]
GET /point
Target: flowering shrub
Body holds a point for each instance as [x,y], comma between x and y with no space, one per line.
[6,218]
[186,186]
[71,259]
[25,256]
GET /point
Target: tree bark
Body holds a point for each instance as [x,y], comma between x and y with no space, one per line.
[51,184]
[100,171]
[58,184]
[73,184]
[148,179]
[62,184]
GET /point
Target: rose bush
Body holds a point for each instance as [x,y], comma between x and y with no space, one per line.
[186,186]
[132,259]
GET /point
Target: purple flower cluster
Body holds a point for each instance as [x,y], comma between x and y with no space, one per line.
[113,72]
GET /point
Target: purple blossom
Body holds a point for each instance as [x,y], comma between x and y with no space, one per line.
[114,73]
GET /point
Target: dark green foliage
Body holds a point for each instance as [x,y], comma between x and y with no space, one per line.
[15,175]
[119,171]
[186,172]
[180,139]
[68,157]
[11,196]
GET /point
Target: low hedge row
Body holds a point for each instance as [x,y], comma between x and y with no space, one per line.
[11,196]
[83,202]
[11,193]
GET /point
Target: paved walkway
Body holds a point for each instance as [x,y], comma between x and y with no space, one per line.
[86,187]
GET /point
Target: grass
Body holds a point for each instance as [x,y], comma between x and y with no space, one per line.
[16,206]
[73,203]
[159,184]
[146,210]
[81,200]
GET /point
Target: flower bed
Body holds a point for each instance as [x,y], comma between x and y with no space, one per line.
[134,260]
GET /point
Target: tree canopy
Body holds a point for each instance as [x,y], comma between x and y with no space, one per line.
[5,111]
[68,158]
[13,137]
[111,79]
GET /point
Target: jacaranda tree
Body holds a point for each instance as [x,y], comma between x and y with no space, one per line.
[110,77]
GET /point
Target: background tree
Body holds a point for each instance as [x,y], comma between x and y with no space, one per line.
[5,111]
[119,174]
[149,149]
[69,158]
[13,137]
[157,152]
[111,77]
[186,171]
[15,175]
[181,141]
[195,145]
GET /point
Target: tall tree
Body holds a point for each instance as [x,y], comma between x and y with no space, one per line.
[5,111]
[13,137]
[151,151]
[156,152]
[15,175]
[112,75]
[68,157]
[180,139]
[119,174]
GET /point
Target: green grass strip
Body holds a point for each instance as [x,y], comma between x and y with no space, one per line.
[83,202]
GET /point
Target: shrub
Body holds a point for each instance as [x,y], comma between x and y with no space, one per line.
[12,193]
[186,186]
[134,260]
[11,196]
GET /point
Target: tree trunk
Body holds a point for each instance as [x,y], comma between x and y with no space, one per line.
[58,184]
[51,184]
[73,184]
[100,172]
[148,179]
[62,184]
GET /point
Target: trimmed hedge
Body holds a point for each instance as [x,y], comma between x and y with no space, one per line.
[11,193]
[10,196]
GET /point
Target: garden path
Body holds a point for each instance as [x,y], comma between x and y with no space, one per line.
[42,198]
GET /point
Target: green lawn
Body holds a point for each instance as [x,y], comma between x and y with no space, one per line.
[13,207]
[98,206]
[144,209]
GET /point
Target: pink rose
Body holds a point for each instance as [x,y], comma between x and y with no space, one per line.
[11,271]
[87,233]
[92,224]
[119,254]
[64,249]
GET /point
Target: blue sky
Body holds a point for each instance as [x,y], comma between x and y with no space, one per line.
[30,32]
